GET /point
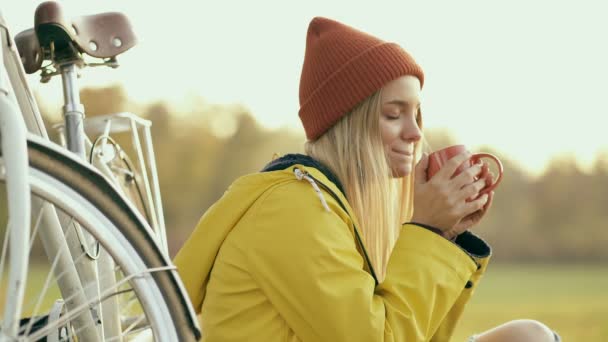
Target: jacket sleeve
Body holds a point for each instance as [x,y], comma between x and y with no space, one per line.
[480,252]
[305,260]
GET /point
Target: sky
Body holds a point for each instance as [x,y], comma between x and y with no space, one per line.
[527,78]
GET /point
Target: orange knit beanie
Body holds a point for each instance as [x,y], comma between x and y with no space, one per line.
[342,67]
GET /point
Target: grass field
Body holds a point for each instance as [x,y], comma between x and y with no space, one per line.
[573,300]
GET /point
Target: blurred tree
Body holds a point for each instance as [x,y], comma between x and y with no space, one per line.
[106,100]
[512,211]
[160,116]
[566,201]
[558,216]
[435,139]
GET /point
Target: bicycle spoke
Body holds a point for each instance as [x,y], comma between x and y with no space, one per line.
[37,307]
[35,230]
[67,317]
[51,275]
[108,293]
[127,308]
[69,297]
[128,302]
[51,272]
[49,326]
[133,325]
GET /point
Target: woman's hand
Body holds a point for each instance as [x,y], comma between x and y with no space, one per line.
[474,218]
[441,202]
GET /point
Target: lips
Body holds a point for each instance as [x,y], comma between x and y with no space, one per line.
[405,153]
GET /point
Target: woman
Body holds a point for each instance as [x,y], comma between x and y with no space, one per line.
[314,247]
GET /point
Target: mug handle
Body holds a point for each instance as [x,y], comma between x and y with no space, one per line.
[492,186]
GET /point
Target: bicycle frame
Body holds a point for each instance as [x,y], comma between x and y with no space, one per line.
[19,115]
[13,129]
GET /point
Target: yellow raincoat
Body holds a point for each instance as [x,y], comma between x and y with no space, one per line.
[274,261]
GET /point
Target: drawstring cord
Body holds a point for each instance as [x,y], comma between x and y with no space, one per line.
[304,175]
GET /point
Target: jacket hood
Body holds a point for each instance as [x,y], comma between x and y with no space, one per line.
[218,221]
[289,160]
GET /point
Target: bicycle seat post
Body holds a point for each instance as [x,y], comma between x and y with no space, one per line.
[73,110]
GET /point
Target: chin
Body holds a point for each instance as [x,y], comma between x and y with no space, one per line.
[402,172]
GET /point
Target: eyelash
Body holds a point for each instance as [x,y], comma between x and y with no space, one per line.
[392,117]
[395,117]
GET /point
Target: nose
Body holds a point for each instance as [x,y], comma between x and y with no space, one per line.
[410,131]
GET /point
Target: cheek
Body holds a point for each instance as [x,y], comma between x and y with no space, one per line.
[389,132]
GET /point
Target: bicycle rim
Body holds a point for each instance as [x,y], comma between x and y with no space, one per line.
[131,296]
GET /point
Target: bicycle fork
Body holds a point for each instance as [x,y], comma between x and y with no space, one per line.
[13,130]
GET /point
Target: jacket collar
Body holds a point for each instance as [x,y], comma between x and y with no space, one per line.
[289,160]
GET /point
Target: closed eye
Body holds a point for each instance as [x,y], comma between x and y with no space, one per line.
[394,116]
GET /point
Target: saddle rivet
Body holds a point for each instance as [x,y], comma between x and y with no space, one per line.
[93,45]
[117,42]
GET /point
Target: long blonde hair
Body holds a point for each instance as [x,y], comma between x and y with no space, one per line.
[354,151]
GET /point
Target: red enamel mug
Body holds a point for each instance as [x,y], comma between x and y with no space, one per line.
[438,158]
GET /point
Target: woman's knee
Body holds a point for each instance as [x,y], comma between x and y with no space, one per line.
[524,330]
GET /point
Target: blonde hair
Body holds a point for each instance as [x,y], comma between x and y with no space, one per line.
[354,151]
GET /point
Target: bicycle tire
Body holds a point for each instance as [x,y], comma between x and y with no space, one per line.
[82,183]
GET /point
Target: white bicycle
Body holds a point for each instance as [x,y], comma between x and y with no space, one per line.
[84,254]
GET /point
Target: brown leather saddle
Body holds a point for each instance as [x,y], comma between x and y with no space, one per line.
[104,35]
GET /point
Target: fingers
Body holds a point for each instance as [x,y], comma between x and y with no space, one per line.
[472,190]
[489,202]
[489,178]
[473,206]
[420,171]
[468,176]
[454,163]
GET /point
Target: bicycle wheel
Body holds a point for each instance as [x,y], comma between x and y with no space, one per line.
[80,222]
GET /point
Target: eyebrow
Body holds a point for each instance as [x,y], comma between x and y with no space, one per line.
[400,103]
